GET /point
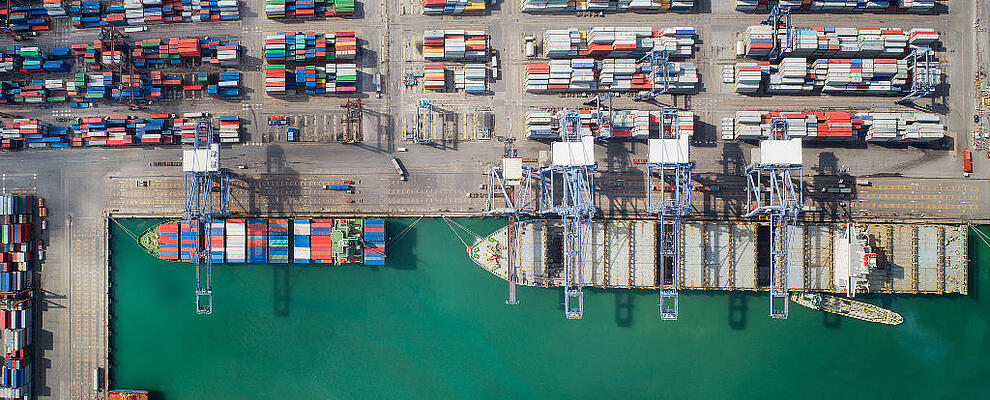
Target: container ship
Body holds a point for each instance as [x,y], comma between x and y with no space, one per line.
[275,241]
[835,258]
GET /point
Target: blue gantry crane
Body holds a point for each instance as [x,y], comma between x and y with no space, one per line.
[660,70]
[424,122]
[567,190]
[783,32]
[774,189]
[925,74]
[669,167]
[509,194]
[207,188]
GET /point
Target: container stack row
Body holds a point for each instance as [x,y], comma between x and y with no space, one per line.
[31,133]
[279,9]
[840,6]
[301,241]
[83,89]
[310,47]
[90,14]
[26,19]
[455,45]
[474,79]
[837,126]
[616,124]
[617,42]
[227,86]
[116,130]
[17,236]
[321,241]
[257,241]
[610,75]
[550,6]
[832,76]
[311,80]
[168,241]
[833,42]
[236,240]
[278,241]
[32,59]
[435,77]
[188,240]
[216,235]
[230,129]
[374,242]
[453,7]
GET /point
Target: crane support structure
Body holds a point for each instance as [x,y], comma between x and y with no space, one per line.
[207,188]
[567,190]
[509,194]
[774,189]
[668,196]
[783,32]
[925,74]
[660,70]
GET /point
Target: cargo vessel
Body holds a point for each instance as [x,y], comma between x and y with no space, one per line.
[275,241]
[127,394]
[733,255]
[847,307]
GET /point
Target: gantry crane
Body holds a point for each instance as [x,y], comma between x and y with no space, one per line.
[353,119]
[774,188]
[509,194]
[567,190]
[660,70]
[425,127]
[670,165]
[207,188]
[780,20]
[925,74]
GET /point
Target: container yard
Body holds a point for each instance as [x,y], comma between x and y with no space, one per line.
[688,145]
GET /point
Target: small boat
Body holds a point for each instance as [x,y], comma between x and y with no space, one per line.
[848,307]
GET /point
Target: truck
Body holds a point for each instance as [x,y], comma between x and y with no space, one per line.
[495,65]
[399,168]
[863,182]
[336,187]
[967,162]
[378,84]
[530,46]
[292,135]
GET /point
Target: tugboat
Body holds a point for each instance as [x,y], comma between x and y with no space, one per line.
[848,307]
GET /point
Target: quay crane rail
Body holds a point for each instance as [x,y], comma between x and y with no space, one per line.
[207,188]
[509,191]
[669,159]
[572,168]
[774,188]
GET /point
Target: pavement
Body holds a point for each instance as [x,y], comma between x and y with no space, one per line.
[83,186]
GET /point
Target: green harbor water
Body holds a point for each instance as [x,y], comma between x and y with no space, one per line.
[433,325]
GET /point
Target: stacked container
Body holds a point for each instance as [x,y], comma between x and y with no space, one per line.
[257,242]
[475,76]
[17,216]
[843,6]
[618,42]
[188,240]
[454,45]
[374,242]
[320,242]
[236,241]
[168,241]
[616,124]
[310,47]
[835,42]
[613,75]
[549,6]
[278,241]
[216,238]
[837,126]
[300,241]
[276,83]
[453,7]
[228,85]
[435,77]
[230,129]
[277,9]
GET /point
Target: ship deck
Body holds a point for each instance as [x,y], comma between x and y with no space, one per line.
[725,255]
